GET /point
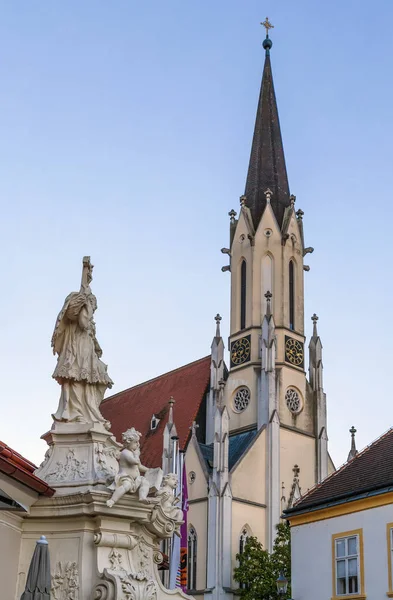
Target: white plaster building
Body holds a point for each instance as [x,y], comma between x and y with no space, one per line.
[342,530]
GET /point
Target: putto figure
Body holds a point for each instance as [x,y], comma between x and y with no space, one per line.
[80,372]
[167,498]
[129,478]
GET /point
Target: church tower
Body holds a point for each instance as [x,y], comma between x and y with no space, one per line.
[267,390]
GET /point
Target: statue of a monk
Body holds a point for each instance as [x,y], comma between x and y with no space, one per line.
[80,372]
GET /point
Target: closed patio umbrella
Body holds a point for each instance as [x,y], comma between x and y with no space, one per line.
[38,577]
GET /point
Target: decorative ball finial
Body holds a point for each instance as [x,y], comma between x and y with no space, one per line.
[314,319]
[171,401]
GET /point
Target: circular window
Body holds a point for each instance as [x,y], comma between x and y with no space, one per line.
[241,399]
[268,232]
[294,403]
[191,477]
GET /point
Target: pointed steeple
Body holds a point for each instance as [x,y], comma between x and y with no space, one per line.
[267,168]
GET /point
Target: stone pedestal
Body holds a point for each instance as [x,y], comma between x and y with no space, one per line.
[81,457]
[100,553]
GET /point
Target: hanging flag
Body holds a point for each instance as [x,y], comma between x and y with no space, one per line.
[182,573]
[174,561]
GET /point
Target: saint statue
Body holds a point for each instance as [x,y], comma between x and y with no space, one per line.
[80,371]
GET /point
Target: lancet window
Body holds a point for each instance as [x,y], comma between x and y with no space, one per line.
[291,295]
[192,559]
[243,294]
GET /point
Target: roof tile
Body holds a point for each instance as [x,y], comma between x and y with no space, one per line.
[135,407]
[370,470]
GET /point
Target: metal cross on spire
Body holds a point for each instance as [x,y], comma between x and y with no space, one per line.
[267,25]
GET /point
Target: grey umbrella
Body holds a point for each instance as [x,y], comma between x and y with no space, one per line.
[38,577]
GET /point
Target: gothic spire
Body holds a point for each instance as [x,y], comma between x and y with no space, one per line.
[267,168]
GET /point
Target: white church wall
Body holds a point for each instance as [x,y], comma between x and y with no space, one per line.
[197,518]
[312,549]
[196,484]
[246,514]
[297,449]
[253,462]
[243,377]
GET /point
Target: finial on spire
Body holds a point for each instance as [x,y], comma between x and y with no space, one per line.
[300,214]
[314,319]
[353,452]
[292,200]
[171,402]
[232,213]
[268,297]
[243,201]
[267,43]
[268,195]
[218,319]
[194,428]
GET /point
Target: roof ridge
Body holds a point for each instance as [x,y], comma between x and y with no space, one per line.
[158,377]
[344,466]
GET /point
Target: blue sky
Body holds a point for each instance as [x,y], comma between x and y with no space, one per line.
[125,134]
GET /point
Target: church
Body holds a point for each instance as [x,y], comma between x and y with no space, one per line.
[253,432]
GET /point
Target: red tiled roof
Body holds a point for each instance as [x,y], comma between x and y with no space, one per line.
[368,471]
[135,407]
[16,466]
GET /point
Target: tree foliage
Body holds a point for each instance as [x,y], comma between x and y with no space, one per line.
[257,570]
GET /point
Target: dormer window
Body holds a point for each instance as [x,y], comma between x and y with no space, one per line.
[154,423]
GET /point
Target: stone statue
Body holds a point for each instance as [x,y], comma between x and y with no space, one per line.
[80,372]
[168,499]
[133,476]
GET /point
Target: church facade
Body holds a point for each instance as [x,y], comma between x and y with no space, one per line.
[253,432]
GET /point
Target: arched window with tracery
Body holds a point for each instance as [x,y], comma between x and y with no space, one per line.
[291,295]
[243,294]
[192,559]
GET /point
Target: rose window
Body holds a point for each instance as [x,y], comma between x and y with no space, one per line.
[293,401]
[242,399]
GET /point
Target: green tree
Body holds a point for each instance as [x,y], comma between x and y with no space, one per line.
[258,570]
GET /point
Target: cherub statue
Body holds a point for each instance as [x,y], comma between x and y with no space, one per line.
[167,498]
[132,475]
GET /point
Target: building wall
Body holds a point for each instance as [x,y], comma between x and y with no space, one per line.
[297,449]
[13,578]
[253,462]
[197,513]
[197,517]
[312,575]
[254,518]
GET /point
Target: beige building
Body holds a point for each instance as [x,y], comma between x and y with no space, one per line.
[259,435]
[19,490]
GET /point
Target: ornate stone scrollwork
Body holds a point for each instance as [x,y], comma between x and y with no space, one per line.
[65,582]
